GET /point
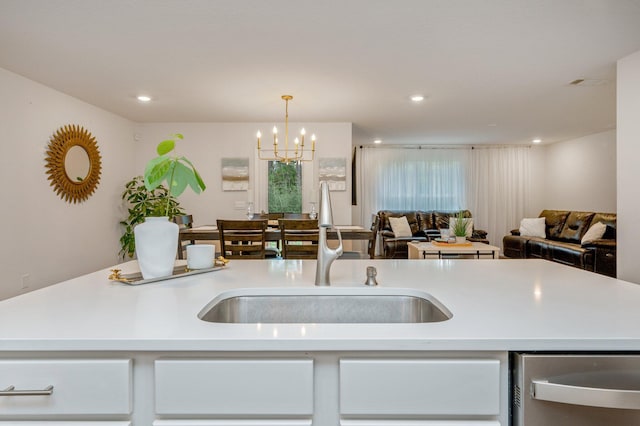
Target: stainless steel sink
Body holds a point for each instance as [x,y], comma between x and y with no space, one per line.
[325,305]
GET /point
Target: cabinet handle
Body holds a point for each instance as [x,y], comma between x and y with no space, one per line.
[12,391]
[609,255]
[584,395]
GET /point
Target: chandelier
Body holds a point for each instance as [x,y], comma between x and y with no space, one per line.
[296,152]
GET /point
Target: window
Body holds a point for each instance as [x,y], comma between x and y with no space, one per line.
[285,187]
[415,179]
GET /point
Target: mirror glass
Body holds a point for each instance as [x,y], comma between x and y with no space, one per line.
[76,164]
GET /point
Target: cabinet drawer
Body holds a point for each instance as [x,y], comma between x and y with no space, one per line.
[419,423]
[419,387]
[79,387]
[64,423]
[231,422]
[234,387]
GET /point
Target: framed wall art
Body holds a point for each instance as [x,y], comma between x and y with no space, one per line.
[235,174]
[334,172]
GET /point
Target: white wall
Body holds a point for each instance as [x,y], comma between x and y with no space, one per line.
[628,125]
[205,144]
[44,236]
[580,174]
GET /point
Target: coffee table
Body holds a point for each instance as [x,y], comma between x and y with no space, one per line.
[435,250]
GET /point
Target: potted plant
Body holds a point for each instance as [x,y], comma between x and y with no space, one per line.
[459,227]
[142,203]
[156,239]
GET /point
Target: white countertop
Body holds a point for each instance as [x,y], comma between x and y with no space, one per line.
[496,305]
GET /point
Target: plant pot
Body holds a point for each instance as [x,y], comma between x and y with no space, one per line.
[460,240]
[156,246]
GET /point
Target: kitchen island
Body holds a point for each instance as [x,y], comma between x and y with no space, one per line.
[171,368]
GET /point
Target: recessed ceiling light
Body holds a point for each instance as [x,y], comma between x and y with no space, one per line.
[144,98]
[377,141]
[417,98]
[536,140]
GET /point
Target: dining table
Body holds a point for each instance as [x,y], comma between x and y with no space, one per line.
[210,232]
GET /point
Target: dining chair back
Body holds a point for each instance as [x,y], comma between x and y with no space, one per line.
[183,221]
[242,239]
[296,216]
[374,238]
[299,238]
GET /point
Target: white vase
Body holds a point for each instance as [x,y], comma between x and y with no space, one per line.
[156,246]
[460,240]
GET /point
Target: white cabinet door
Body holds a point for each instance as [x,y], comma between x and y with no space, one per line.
[79,386]
[420,387]
[247,387]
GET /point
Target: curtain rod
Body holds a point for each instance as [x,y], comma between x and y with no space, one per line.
[442,146]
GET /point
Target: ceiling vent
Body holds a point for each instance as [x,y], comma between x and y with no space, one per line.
[587,82]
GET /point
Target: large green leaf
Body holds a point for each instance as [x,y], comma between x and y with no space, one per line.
[181,176]
[156,171]
[199,181]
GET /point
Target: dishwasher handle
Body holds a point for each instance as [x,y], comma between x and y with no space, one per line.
[587,396]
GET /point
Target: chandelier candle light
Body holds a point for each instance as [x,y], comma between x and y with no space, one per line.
[287,155]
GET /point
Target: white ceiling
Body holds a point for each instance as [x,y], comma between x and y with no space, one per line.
[492,71]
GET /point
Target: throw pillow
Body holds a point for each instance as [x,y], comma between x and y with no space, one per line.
[400,226]
[533,227]
[594,233]
[468,226]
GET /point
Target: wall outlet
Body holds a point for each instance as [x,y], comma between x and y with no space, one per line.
[26,280]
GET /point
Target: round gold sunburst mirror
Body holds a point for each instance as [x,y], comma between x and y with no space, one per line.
[73,163]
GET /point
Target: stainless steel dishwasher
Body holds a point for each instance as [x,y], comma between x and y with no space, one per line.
[575,389]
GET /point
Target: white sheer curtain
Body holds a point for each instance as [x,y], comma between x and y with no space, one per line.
[492,182]
[499,188]
[413,179]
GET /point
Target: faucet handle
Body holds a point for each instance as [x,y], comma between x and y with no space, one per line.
[371,276]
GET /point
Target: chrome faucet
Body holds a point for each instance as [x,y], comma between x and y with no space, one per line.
[326,255]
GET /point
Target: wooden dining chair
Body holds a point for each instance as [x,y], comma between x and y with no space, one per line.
[242,239]
[183,221]
[299,238]
[374,238]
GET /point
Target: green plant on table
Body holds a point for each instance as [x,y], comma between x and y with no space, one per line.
[147,196]
[142,203]
[459,226]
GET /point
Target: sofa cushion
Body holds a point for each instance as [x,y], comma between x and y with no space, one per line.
[608,219]
[575,226]
[425,220]
[411,216]
[571,254]
[610,233]
[400,226]
[538,247]
[554,221]
[441,219]
[595,232]
[533,227]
